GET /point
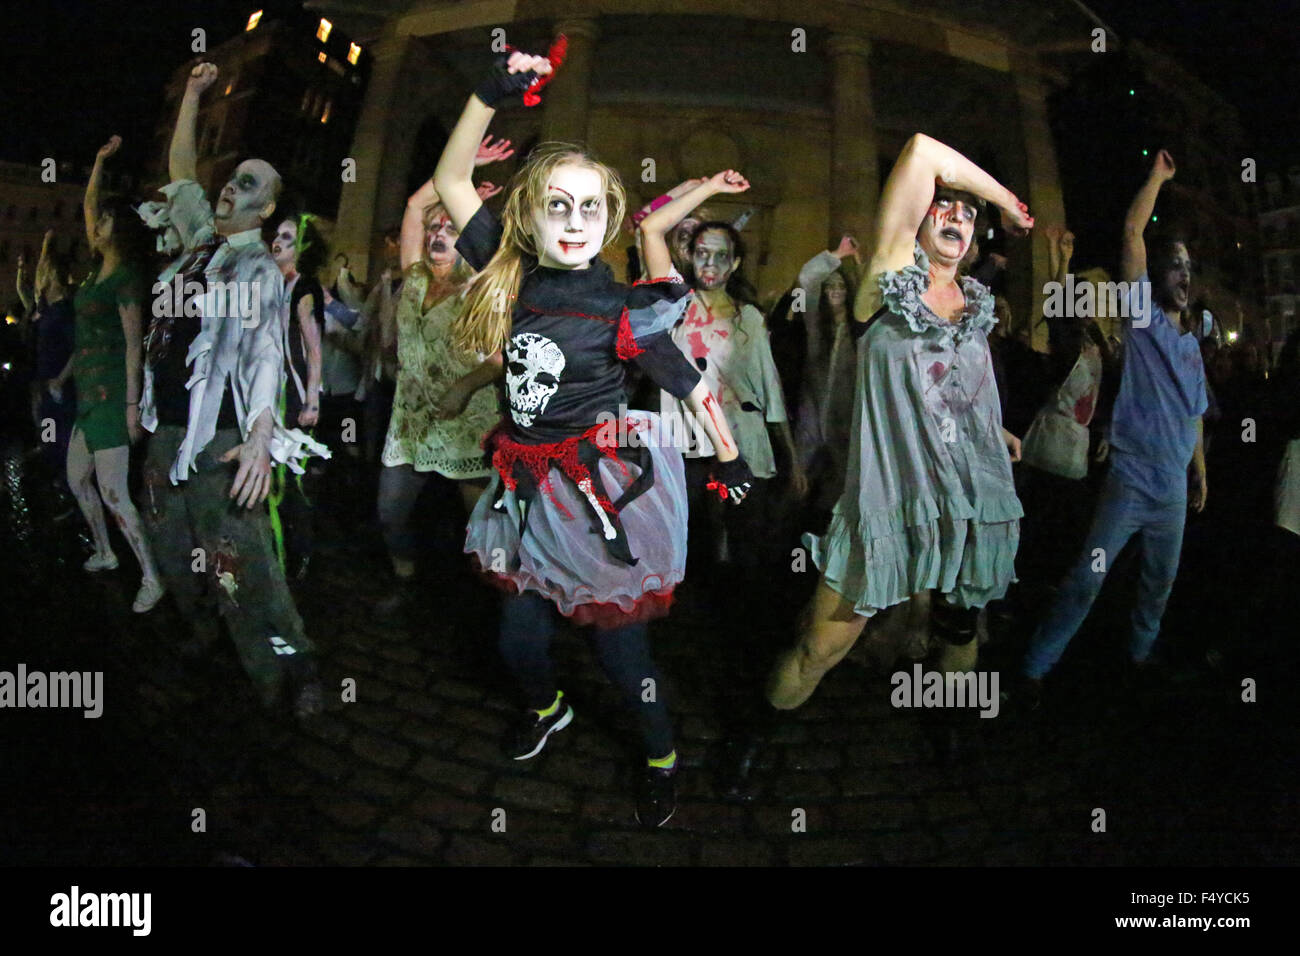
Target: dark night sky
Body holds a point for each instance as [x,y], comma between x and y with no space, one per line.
[81,70]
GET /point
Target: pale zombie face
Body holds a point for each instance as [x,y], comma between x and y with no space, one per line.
[244,199]
[284,246]
[836,290]
[713,260]
[948,230]
[570,226]
[440,235]
[1175,281]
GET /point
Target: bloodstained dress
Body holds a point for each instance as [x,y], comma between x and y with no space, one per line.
[587,507]
[928,499]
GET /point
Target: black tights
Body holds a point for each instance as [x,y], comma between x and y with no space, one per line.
[527,628]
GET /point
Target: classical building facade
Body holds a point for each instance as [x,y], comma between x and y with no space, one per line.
[812,100]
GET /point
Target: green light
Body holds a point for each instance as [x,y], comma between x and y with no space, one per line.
[1155,218]
[1144,152]
[1132,92]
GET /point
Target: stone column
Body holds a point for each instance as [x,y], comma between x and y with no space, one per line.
[855,180]
[565,99]
[1046,204]
[355,221]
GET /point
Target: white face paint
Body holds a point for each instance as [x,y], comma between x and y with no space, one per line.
[242,200]
[1175,283]
[440,235]
[948,230]
[283,246]
[570,226]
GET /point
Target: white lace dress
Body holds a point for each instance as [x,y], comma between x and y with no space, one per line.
[427,364]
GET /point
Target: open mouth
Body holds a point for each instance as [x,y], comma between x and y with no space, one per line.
[437,246]
[571,246]
[953,234]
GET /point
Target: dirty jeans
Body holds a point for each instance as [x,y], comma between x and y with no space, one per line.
[1122,511]
[206,546]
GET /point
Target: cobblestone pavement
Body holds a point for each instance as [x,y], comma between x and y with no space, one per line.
[411,773]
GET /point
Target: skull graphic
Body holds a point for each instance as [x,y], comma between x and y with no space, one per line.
[533,367]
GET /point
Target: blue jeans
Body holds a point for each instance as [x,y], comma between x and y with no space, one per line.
[1122,511]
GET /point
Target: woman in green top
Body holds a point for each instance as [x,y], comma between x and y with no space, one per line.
[107,367]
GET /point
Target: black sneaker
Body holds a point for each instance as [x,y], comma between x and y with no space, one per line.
[529,736]
[656,797]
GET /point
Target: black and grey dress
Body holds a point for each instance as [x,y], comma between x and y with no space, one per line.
[588,503]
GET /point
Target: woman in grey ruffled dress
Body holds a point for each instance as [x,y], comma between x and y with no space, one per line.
[928,501]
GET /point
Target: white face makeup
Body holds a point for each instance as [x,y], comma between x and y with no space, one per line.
[570,226]
[1177,279]
[239,207]
[283,246]
[440,235]
[713,260]
[948,230]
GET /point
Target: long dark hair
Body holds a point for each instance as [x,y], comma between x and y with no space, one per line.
[133,241]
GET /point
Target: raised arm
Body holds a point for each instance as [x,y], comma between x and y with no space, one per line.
[453,179]
[907,197]
[655,226]
[411,238]
[26,293]
[182,157]
[1133,256]
[90,204]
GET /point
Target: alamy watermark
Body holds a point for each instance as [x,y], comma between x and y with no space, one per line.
[1084,299]
[922,688]
[22,688]
[218,300]
[631,428]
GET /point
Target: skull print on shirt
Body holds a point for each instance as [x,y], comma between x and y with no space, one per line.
[533,367]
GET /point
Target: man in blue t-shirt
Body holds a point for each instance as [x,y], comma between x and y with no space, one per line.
[1155,435]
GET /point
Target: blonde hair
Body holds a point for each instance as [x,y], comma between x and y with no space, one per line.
[461,273]
[484,324]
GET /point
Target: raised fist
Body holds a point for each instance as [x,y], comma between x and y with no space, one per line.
[1163,168]
[108,149]
[201,77]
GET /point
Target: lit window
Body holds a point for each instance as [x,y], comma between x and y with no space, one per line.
[354,53]
[323,31]
[321,56]
[325,116]
[253,20]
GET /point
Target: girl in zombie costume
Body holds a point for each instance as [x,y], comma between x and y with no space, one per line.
[724,335]
[586,513]
[928,501]
[441,412]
